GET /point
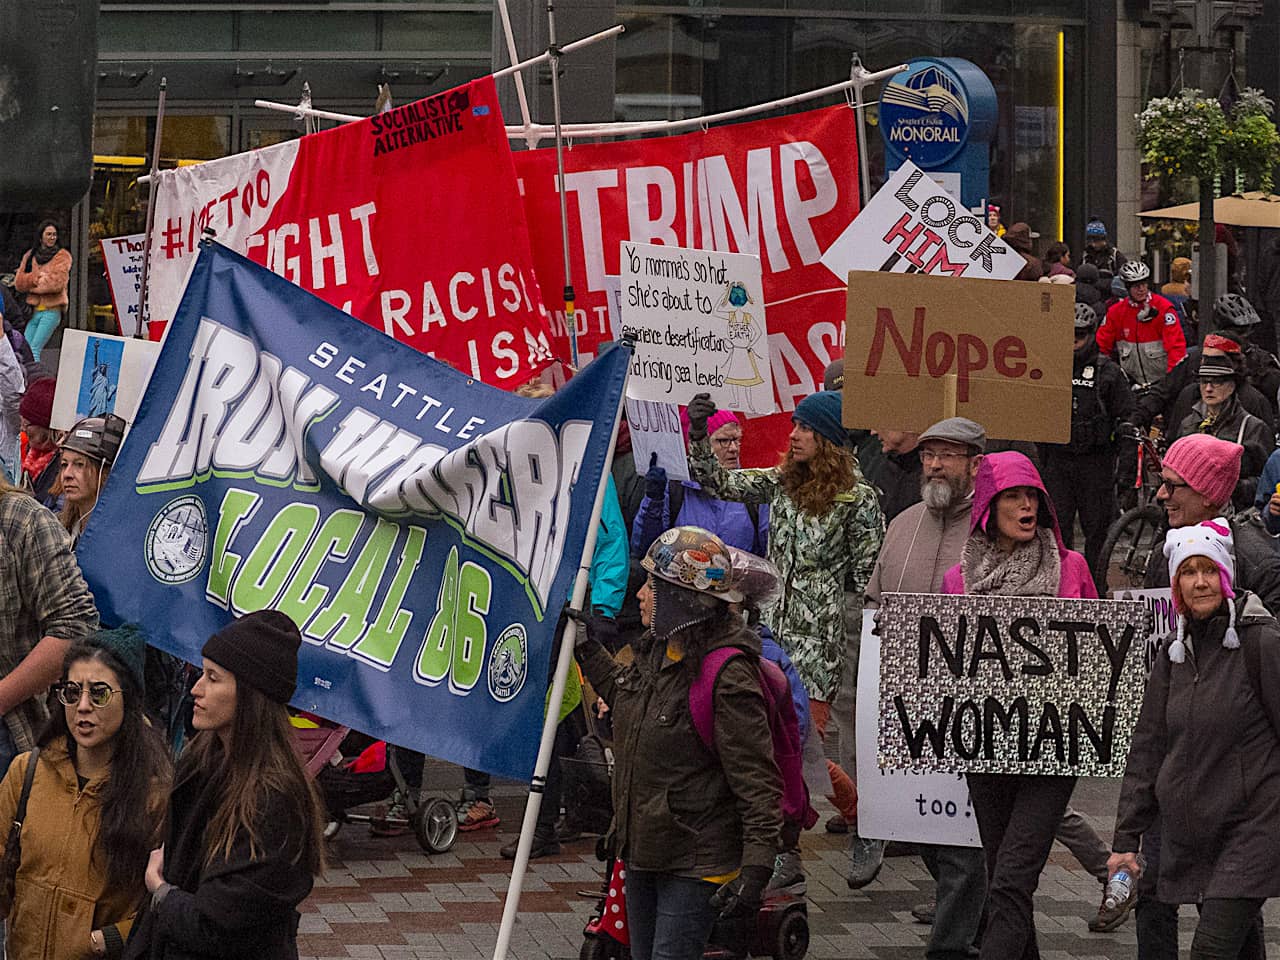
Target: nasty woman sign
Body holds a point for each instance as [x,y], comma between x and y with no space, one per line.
[989,684]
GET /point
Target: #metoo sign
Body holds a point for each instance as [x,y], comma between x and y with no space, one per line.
[989,684]
[921,348]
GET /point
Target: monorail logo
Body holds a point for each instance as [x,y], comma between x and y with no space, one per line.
[925,115]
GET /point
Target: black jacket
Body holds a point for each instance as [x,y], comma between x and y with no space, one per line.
[1100,398]
[238,908]
[1174,395]
[679,807]
[1205,758]
[1237,425]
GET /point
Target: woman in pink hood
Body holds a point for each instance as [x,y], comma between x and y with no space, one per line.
[1015,549]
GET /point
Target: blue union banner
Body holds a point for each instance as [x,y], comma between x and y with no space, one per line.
[421,528]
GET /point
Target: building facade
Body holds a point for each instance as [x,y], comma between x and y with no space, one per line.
[1068,74]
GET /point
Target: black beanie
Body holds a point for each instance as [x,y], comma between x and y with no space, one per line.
[261,649]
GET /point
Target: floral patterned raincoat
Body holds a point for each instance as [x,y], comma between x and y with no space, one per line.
[818,557]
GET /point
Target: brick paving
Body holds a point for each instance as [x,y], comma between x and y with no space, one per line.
[384,899]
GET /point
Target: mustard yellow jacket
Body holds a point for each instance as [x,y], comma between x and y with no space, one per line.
[61,895]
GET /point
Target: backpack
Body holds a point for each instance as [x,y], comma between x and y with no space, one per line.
[784,728]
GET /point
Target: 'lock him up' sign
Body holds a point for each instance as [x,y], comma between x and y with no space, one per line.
[991,684]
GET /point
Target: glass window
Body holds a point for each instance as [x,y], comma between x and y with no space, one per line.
[118,32]
[308,31]
[438,31]
[116,204]
[659,72]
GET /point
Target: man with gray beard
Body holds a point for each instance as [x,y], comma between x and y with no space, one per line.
[921,544]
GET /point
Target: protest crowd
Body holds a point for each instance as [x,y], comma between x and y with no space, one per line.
[168,809]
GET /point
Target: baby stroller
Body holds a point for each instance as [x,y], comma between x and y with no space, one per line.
[780,929]
[374,774]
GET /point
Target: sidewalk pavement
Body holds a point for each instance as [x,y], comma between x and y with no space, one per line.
[384,899]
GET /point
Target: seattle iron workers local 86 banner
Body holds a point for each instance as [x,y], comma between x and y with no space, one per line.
[783,189]
[410,220]
[423,529]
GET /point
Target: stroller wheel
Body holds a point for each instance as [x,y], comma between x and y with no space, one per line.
[435,824]
[602,948]
[793,936]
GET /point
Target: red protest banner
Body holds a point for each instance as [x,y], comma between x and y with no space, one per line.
[782,189]
[410,220]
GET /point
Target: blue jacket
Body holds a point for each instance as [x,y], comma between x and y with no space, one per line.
[1266,487]
[610,564]
[727,519]
[770,650]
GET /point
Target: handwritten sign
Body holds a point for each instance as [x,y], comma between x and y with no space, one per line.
[918,349]
[1164,618]
[697,317]
[912,225]
[899,804]
[655,428]
[990,684]
[122,257]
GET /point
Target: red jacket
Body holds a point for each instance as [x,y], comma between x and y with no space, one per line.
[1148,349]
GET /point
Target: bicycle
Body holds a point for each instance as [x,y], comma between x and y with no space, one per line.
[1136,538]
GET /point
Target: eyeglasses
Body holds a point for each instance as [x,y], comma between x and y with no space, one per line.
[928,456]
[70,692]
[1214,381]
[1173,486]
[727,441]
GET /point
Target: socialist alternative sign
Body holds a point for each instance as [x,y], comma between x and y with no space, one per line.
[989,684]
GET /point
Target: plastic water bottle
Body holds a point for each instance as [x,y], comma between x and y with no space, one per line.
[1120,887]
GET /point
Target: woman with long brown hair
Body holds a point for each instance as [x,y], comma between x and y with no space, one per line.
[825,531]
[98,781]
[245,840]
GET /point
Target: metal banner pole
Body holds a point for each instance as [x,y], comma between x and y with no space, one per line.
[563,665]
[569,318]
[151,212]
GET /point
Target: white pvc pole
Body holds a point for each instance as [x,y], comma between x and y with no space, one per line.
[525,117]
[563,665]
[540,131]
[567,48]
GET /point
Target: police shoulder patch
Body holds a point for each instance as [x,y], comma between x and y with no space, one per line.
[1170,319]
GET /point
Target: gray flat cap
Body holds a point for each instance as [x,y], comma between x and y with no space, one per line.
[833,376]
[957,430]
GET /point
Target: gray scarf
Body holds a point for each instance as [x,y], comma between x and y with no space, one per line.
[1034,569]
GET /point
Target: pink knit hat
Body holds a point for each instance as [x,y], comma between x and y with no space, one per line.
[714,422]
[1210,465]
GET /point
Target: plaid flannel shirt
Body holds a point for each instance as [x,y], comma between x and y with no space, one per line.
[42,594]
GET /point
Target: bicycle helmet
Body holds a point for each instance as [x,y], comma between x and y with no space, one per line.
[98,438]
[1086,318]
[695,559]
[756,578]
[1135,271]
[1233,310]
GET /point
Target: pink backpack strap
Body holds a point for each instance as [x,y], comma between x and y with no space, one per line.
[702,693]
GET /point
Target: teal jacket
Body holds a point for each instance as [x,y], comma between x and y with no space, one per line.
[610,564]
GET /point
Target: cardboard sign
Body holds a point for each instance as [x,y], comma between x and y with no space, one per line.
[1164,619]
[122,258]
[995,684]
[899,804]
[655,428]
[100,374]
[698,321]
[913,225]
[919,349]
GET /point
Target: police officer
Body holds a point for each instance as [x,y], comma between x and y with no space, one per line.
[1142,331]
[1080,474]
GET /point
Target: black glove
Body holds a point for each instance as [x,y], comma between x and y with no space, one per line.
[655,481]
[700,408]
[603,629]
[582,619]
[740,897]
[1127,431]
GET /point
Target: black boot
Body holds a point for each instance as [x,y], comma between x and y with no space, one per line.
[545,844]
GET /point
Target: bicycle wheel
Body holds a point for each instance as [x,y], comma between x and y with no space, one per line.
[1133,543]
